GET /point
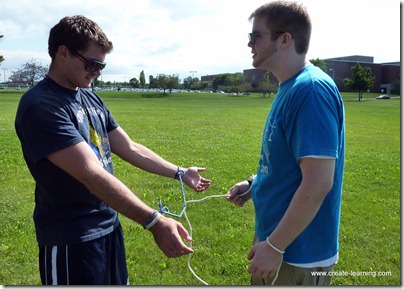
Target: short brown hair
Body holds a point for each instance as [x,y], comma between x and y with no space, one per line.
[76,33]
[289,17]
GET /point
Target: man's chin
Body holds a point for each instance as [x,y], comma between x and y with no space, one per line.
[86,85]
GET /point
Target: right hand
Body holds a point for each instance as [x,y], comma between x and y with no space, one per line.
[168,233]
[233,195]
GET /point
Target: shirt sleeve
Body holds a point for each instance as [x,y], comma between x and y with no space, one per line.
[48,129]
[314,130]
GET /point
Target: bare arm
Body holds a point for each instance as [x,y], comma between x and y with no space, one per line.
[317,180]
[145,159]
[81,163]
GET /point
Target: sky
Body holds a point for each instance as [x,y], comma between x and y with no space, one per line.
[193,37]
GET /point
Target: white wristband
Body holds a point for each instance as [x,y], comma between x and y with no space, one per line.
[273,247]
[155,220]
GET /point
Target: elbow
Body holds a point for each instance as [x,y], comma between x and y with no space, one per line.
[325,187]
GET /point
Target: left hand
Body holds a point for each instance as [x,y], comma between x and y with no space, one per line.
[265,261]
[193,180]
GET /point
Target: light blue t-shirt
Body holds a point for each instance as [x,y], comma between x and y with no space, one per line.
[306,119]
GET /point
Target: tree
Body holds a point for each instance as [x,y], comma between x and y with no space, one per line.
[362,79]
[190,83]
[152,82]
[162,81]
[142,79]
[266,86]
[173,81]
[396,87]
[228,82]
[29,73]
[1,56]
[167,82]
[133,82]
[319,63]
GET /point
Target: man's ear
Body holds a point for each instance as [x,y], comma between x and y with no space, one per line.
[62,53]
[285,39]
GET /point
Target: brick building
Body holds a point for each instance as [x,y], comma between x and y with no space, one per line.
[386,74]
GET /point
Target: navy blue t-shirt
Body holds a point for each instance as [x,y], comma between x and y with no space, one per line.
[51,118]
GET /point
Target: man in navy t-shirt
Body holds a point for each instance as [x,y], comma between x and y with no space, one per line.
[67,137]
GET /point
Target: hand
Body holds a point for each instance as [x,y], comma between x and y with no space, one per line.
[235,192]
[167,233]
[193,180]
[265,261]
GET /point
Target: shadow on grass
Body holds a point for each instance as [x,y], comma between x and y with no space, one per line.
[154,95]
[355,100]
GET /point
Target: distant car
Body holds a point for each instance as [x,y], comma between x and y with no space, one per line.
[383,96]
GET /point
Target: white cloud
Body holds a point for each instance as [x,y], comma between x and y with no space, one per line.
[207,36]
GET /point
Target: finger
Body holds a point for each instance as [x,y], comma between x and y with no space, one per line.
[205,181]
[251,269]
[183,232]
[240,202]
[182,248]
[230,192]
[179,248]
[251,254]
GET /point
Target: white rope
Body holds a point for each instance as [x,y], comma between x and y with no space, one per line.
[190,231]
[276,275]
[165,210]
[190,255]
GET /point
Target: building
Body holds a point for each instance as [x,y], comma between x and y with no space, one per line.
[386,74]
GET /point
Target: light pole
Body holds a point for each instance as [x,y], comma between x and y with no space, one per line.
[193,72]
[4,73]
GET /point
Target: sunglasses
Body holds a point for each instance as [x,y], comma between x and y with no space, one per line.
[91,65]
[254,36]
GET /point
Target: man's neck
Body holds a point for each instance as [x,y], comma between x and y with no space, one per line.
[289,67]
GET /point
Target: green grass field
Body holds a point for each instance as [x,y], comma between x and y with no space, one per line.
[223,134]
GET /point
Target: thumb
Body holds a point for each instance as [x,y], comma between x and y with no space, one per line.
[251,254]
[200,170]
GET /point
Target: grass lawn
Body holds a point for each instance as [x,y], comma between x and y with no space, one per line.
[223,134]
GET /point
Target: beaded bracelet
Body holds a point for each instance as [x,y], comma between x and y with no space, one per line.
[155,220]
[149,218]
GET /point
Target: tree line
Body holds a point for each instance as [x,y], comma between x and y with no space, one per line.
[361,81]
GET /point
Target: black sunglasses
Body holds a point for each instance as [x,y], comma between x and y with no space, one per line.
[91,64]
[254,36]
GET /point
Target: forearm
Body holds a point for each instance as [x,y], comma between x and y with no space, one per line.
[317,180]
[115,194]
[81,163]
[145,159]
[298,216]
[139,155]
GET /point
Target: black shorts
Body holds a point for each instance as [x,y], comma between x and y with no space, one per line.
[98,262]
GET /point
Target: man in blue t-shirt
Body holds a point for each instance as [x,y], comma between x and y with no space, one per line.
[298,185]
[67,137]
